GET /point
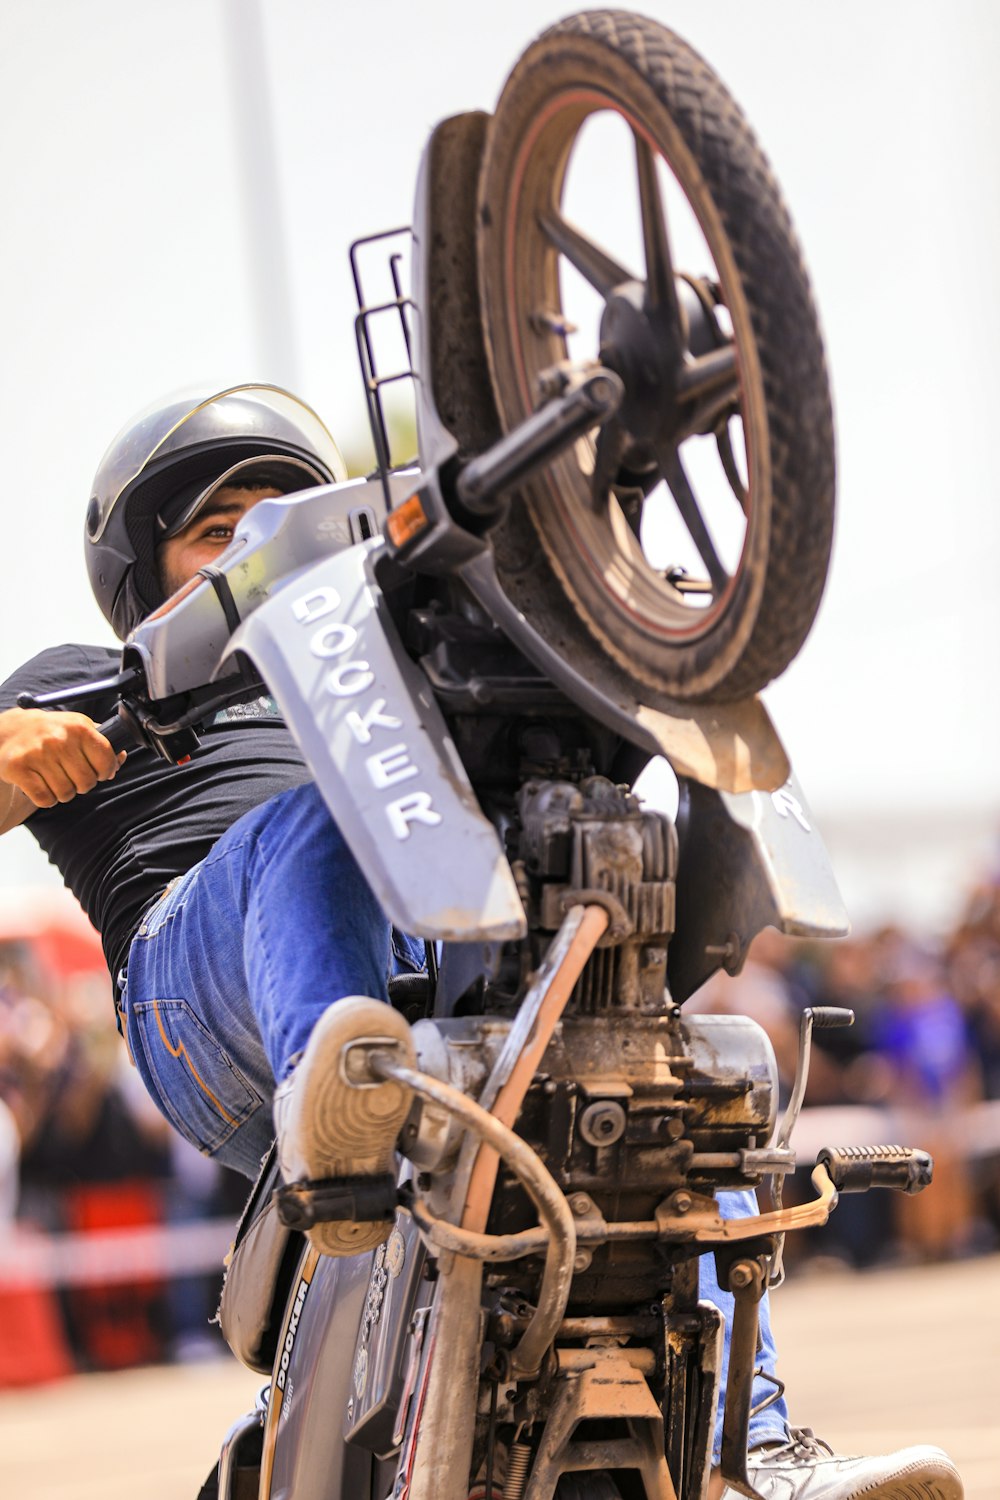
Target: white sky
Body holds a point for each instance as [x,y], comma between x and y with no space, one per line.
[125,271]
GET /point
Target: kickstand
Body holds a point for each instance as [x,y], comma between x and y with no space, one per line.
[747,1280]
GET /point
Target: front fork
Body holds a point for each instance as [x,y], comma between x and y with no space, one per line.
[437,1451]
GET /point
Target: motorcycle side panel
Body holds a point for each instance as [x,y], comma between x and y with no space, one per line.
[376,742]
[385,1354]
[350,1371]
[311,1459]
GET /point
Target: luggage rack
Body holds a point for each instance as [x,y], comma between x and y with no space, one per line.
[374,381]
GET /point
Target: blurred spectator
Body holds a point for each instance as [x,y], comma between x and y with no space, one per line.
[974,970]
[86,1151]
[32,1043]
[10,1146]
[86,1161]
[919,1028]
[921,1036]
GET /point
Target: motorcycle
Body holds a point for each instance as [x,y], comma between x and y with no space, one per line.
[477,653]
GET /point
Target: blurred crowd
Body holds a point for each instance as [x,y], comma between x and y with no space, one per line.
[82,1150]
[920,1066]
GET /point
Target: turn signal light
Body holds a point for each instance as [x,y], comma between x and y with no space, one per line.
[406,522]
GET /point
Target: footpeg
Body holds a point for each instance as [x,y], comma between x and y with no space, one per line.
[855,1169]
[301,1205]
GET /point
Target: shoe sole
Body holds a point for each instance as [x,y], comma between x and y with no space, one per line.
[930,1481]
[352,1129]
[943,1486]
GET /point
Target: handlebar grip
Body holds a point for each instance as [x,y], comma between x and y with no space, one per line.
[855,1169]
[118,732]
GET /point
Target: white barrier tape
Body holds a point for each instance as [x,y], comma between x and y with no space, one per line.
[972,1133]
[155,1252]
[162,1252]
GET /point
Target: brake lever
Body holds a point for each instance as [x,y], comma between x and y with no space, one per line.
[126,729]
[129,677]
[135,722]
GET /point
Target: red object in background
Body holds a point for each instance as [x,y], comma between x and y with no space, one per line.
[42,1336]
[53,925]
[33,1346]
[117,1326]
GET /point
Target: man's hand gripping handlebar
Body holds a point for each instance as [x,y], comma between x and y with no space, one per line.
[50,758]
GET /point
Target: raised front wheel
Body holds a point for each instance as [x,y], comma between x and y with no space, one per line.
[627,215]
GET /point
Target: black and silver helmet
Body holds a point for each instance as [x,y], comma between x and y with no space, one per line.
[158,471]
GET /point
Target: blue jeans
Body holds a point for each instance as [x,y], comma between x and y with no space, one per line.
[234,964]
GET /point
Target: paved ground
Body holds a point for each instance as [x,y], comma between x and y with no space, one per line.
[871,1362]
[894,1357]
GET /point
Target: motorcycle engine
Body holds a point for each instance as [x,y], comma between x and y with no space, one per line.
[628,1113]
[635,1108]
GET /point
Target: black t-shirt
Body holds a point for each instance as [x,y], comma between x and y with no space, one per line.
[118,846]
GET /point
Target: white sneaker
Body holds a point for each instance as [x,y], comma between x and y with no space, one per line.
[806,1468]
[333,1118]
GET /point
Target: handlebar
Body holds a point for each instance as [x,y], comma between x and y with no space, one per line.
[116,730]
[118,733]
[135,723]
[127,730]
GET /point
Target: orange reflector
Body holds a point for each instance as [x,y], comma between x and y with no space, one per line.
[406,522]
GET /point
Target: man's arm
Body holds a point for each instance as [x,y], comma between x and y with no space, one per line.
[14,807]
[46,758]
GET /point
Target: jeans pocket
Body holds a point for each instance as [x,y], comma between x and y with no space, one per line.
[193,1079]
[407,955]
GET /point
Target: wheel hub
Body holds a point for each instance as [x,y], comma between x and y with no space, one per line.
[642,352]
[649,354]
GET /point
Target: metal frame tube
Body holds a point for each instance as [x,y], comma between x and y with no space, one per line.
[446,1237]
[560,1239]
[536,1020]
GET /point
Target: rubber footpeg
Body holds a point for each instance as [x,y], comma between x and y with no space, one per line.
[855,1169]
[825,1016]
[304,1204]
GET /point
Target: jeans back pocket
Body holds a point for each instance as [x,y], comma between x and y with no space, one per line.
[195,1083]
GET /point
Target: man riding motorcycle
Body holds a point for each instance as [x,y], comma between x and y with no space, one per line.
[246,944]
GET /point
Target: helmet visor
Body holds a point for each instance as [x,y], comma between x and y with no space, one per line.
[286,475]
[246,413]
